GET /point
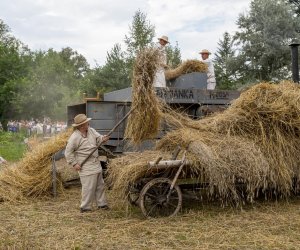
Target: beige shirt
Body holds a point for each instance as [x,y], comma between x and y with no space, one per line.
[79,147]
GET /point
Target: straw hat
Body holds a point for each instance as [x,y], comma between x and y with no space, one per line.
[204,51]
[165,38]
[80,119]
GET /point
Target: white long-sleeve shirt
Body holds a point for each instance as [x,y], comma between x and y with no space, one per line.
[211,80]
[159,78]
[79,147]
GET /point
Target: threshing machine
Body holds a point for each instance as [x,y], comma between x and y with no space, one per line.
[187,92]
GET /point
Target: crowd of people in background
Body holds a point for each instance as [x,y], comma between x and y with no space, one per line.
[35,127]
[45,128]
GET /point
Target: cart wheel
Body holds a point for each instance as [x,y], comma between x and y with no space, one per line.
[155,201]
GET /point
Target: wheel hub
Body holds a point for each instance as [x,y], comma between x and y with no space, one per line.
[161,200]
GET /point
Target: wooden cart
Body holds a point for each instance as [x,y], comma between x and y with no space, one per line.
[160,195]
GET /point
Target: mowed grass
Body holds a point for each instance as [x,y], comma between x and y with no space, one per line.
[12,146]
[57,224]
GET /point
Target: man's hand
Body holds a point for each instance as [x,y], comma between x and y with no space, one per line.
[166,67]
[77,167]
[105,138]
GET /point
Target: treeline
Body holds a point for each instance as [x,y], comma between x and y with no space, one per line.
[259,50]
[34,84]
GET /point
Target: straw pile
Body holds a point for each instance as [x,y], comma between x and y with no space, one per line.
[188,66]
[124,171]
[32,176]
[144,121]
[256,142]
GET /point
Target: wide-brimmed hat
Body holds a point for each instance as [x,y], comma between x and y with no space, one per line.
[165,38]
[80,119]
[204,51]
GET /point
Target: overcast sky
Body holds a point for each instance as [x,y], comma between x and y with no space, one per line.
[92,27]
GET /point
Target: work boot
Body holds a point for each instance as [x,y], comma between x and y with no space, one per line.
[85,210]
[105,207]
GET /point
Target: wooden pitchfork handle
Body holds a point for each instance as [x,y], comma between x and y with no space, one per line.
[109,133]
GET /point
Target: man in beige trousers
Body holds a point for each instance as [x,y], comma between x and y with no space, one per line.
[80,144]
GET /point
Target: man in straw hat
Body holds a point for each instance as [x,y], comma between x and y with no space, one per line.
[159,78]
[211,80]
[80,144]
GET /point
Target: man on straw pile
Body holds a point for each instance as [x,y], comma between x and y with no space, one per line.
[211,80]
[80,144]
[159,78]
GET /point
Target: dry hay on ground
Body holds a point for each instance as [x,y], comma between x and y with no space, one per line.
[55,223]
[255,141]
[32,176]
[188,66]
[144,121]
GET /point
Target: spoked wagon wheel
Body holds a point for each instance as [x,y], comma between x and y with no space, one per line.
[156,199]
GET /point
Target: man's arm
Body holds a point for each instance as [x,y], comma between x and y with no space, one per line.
[71,147]
[99,138]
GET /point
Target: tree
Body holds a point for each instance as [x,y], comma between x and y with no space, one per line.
[113,75]
[141,34]
[15,59]
[173,55]
[74,60]
[264,36]
[118,69]
[225,70]
[51,84]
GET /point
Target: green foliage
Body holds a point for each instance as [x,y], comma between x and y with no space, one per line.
[42,83]
[53,78]
[264,35]
[113,75]
[14,61]
[118,69]
[141,34]
[173,55]
[117,72]
[224,63]
[12,146]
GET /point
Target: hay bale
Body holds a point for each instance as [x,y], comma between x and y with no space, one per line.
[32,176]
[144,121]
[186,67]
[268,115]
[256,141]
[220,161]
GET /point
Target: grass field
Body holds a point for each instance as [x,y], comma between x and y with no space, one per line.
[12,146]
[57,224]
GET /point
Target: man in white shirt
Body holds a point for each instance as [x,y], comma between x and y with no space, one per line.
[81,143]
[159,78]
[211,80]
